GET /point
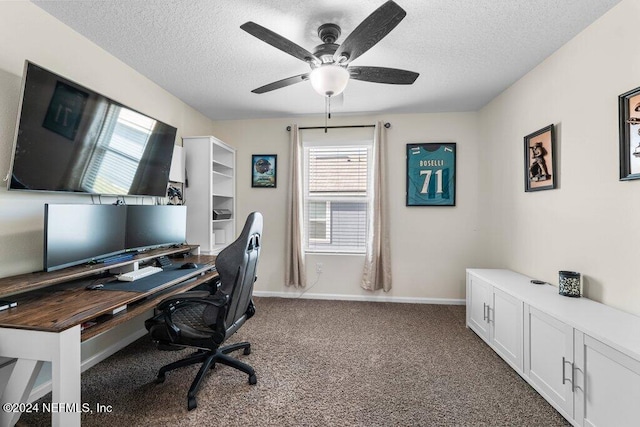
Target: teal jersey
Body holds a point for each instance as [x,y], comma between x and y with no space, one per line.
[431,174]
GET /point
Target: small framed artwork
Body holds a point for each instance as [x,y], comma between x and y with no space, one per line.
[539,160]
[431,174]
[65,110]
[264,170]
[629,122]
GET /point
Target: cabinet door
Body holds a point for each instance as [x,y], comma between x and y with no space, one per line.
[478,303]
[505,316]
[608,386]
[548,359]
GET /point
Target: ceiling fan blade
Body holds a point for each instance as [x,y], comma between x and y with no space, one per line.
[282,83]
[392,76]
[278,42]
[370,31]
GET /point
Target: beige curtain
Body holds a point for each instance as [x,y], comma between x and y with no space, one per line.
[377,263]
[295,274]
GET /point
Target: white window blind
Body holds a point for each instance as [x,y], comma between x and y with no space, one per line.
[336,198]
[121,144]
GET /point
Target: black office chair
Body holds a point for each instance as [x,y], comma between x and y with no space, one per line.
[205,320]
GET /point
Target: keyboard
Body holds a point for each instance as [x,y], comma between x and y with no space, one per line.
[138,274]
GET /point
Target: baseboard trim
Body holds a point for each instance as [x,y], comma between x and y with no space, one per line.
[45,388]
[100,356]
[39,391]
[367,298]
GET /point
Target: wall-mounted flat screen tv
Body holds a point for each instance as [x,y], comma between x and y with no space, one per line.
[70,138]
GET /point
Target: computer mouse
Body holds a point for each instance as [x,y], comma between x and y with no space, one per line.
[187,265]
[94,286]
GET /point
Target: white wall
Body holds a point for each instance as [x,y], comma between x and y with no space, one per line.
[590,223]
[30,33]
[431,246]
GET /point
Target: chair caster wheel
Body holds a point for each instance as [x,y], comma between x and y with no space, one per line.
[247,351]
[253,380]
[191,403]
[160,379]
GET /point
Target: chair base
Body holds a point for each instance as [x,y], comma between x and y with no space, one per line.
[209,358]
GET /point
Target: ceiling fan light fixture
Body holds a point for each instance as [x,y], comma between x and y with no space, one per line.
[329,79]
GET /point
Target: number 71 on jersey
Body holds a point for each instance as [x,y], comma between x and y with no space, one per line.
[431,174]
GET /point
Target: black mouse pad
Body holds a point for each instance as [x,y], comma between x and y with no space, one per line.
[150,282]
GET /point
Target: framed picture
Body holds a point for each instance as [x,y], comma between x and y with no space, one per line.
[539,160]
[431,174]
[65,110]
[264,170]
[629,119]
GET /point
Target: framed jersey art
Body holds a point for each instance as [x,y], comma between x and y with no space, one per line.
[431,174]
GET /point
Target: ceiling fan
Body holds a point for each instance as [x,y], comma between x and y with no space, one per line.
[329,62]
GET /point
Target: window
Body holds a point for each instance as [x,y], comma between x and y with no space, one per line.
[121,144]
[336,197]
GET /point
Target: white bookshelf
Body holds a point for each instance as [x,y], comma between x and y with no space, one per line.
[211,175]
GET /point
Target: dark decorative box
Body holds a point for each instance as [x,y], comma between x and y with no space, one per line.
[569,284]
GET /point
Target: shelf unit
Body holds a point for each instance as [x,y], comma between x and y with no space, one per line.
[211,174]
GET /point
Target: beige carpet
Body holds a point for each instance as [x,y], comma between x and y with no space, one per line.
[326,363]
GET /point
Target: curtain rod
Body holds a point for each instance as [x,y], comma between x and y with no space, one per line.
[386,125]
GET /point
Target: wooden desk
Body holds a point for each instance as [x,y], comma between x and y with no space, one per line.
[46,326]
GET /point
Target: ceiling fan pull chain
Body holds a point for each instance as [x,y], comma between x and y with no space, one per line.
[326,114]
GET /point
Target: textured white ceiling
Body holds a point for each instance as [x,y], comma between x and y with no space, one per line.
[466,51]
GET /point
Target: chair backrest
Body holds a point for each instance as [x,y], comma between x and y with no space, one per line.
[236,265]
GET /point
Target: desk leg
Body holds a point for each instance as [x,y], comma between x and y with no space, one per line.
[65,376]
[62,349]
[18,387]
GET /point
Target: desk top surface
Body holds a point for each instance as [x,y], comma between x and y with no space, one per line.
[64,305]
[42,279]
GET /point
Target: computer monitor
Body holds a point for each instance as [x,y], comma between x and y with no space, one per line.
[75,234]
[152,226]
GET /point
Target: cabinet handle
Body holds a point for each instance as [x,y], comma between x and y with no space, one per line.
[564,377]
[484,311]
[489,313]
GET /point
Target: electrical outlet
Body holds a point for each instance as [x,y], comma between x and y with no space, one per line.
[318,268]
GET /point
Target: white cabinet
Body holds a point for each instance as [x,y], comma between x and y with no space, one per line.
[607,389]
[497,318]
[506,320]
[210,193]
[548,358]
[479,295]
[581,356]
